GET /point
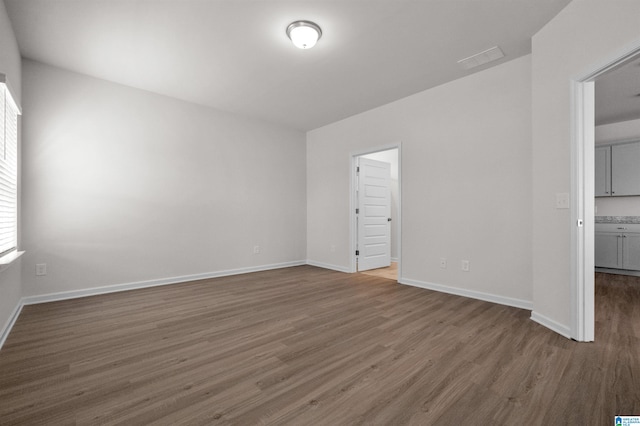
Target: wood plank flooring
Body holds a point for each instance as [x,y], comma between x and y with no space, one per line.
[307,346]
[390,272]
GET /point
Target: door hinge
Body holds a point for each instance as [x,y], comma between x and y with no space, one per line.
[357,211]
[358,169]
[357,252]
[580,223]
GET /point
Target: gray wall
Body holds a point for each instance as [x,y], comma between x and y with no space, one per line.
[124,186]
[584,34]
[466,183]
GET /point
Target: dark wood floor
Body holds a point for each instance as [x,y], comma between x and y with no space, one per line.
[307,346]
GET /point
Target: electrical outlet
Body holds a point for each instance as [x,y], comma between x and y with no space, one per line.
[443,263]
[41,269]
[464,265]
[256,249]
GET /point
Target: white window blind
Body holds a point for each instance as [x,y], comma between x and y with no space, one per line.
[9,112]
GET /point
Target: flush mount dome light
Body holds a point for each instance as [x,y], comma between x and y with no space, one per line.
[304,34]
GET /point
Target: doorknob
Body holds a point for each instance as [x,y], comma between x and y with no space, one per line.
[388,219]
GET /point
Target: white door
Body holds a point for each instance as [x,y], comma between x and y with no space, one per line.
[374,214]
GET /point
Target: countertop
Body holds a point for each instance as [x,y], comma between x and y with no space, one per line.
[618,219]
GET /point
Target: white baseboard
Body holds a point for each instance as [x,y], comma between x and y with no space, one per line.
[487,297]
[10,322]
[30,300]
[551,324]
[394,259]
[73,294]
[328,266]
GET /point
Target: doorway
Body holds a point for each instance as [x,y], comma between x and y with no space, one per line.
[373,259]
[583,195]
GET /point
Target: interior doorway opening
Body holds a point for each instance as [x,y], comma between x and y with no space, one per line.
[375,214]
[583,189]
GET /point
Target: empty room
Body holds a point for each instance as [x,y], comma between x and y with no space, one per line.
[319,212]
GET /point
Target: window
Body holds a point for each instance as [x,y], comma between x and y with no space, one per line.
[9,112]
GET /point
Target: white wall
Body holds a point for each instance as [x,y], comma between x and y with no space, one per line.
[10,65]
[618,206]
[391,156]
[581,36]
[615,132]
[122,185]
[466,182]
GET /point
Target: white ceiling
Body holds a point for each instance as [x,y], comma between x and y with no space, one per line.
[234,55]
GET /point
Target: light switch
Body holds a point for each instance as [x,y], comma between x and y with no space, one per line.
[562,200]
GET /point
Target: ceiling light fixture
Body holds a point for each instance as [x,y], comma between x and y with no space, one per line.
[304,34]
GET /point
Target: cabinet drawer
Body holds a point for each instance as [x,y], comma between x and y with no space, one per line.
[617,227]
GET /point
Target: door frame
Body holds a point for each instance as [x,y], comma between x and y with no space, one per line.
[353,158]
[582,214]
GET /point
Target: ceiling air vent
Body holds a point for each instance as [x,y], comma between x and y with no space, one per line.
[481,58]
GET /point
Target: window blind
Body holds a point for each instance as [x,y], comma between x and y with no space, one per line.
[8,169]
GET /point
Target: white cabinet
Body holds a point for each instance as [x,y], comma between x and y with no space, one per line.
[617,170]
[608,253]
[625,169]
[631,251]
[603,171]
[617,246]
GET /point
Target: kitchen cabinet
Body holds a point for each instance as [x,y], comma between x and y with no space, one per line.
[603,171]
[608,253]
[631,251]
[625,169]
[617,246]
[617,169]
